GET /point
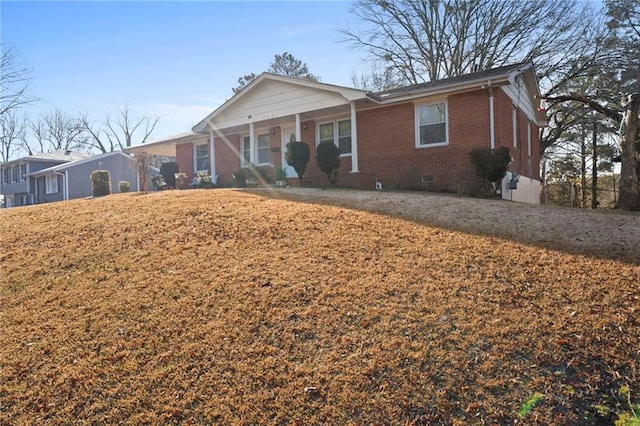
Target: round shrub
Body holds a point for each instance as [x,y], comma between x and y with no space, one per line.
[297,156]
[328,159]
[124,186]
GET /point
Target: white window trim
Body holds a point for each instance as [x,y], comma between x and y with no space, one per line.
[255,149]
[6,175]
[417,124]
[195,157]
[23,176]
[15,175]
[336,138]
[49,184]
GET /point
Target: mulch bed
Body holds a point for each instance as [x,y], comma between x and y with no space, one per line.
[201,307]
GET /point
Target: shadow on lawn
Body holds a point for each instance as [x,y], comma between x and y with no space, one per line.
[557,228]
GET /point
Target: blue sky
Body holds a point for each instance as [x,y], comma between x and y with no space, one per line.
[173,59]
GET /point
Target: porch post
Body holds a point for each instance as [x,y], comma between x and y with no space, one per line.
[212,157]
[252,146]
[354,139]
[298,132]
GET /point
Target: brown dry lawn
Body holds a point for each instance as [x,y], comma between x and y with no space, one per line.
[231,307]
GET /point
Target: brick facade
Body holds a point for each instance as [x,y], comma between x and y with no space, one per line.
[387,146]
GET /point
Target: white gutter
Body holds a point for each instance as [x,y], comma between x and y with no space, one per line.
[492,124]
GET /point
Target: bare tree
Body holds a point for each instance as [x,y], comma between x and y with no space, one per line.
[12,130]
[96,135]
[14,81]
[53,131]
[126,129]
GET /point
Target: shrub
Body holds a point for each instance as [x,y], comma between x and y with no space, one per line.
[101,183]
[490,165]
[202,180]
[328,159]
[181,180]
[168,171]
[297,156]
[124,186]
[158,182]
[239,179]
[280,174]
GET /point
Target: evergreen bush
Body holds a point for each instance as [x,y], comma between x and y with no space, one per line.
[124,186]
[297,156]
[328,159]
[168,172]
[101,183]
[491,165]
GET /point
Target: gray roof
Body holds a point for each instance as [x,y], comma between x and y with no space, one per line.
[60,156]
[452,82]
[83,160]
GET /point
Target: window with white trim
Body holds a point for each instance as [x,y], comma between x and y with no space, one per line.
[338,132]
[432,125]
[51,184]
[5,175]
[202,158]
[23,172]
[262,153]
[246,151]
[15,171]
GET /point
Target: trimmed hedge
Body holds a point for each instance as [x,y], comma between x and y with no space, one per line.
[101,183]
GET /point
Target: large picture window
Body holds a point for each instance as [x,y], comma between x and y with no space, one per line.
[51,183]
[202,157]
[431,125]
[338,132]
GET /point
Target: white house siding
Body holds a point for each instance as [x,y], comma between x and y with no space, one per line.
[276,99]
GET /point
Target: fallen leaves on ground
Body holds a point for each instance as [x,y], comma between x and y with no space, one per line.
[200,307]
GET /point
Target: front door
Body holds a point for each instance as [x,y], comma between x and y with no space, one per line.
[288,135]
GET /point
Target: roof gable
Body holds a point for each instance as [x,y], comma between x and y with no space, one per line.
[88,159]
[272,96]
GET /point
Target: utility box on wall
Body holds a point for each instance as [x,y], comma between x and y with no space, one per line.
[513,182]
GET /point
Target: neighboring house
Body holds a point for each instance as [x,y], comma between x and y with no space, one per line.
[412,137]
[19,188]
[75,177]
[39,181]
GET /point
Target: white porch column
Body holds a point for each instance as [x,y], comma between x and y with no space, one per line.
[492,125]
[298,131]
[252,145]
[212,157]
[354,139]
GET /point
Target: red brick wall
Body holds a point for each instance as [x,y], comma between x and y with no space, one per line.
[387,149]
[184,158]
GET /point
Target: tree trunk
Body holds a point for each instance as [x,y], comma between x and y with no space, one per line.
[594,168]
[629,185]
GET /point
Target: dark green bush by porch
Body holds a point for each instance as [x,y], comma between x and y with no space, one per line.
[297,156]
[328,159]
[239,179]
[101,183]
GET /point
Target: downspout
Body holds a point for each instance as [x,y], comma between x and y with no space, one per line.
[64,184]
[492,124]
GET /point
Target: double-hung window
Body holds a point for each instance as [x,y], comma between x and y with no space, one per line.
[432,125]
[23,172]
[5,175]
[51,183]
[338,132]
[14,173]
[263,151]
[202,158]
